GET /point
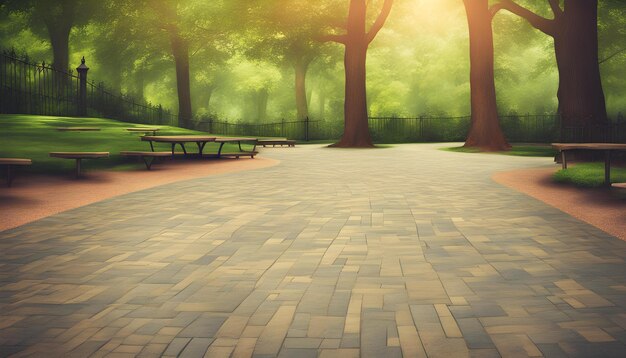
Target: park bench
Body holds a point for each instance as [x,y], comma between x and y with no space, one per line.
[607,148]
[621,186]
[200,141]
[79,156]
[9,163]
[240,153]
[145,130]
[147,157]
[78,129]
[277,141]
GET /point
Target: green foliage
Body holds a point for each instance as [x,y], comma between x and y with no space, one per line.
[588,175]
[417,65]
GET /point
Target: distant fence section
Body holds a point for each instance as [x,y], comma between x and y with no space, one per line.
[30,88]
[517,129]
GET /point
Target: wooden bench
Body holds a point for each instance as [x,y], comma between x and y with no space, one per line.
[10,162]
[619,185]
[145,130]
[78,156]
[241,153]
[147,157]
[607,148]
[278,141]
[78,129]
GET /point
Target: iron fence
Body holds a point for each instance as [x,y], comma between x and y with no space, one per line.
[30,88]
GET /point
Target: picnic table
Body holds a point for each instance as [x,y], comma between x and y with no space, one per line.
[77,129]
[607,148]
[200,141]
[145,130]
[277,141]
[241,153]
[79,156]
[10,162]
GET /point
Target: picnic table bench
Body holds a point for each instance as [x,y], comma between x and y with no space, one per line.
[79,156]
[241,152]
[147,157]
[200,141]
[277,141]
[78,129]
[145,130]
[607,148]
[9,163]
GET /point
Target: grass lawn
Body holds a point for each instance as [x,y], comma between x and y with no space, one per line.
[29,136]
[521,150]
[589,175]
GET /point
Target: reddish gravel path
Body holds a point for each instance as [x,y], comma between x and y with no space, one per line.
[598,207]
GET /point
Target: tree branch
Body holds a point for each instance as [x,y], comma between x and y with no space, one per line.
[495,9]
[380,21]
[556,8]
[611,56]
[542,24]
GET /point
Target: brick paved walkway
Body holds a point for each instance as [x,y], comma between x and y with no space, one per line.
[339,253]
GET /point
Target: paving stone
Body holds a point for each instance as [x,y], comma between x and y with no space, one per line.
[406,251]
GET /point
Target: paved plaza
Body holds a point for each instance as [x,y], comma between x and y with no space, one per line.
[405,251]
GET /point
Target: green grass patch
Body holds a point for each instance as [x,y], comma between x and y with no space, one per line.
[29,136]
[589,175]
[517,150]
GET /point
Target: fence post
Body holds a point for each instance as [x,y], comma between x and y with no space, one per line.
[282,128]
[82,89]
[306,128]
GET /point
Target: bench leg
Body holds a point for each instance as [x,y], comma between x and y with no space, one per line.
[563,160]
[607,168]
[148,161]
[151,146]
[9,176]
[200,148]
[219,151]
[78,168]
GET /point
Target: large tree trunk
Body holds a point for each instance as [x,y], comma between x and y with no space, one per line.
[180,51]
[485,132]
[59,39]
[581,98]
[356,131]
[301,66]
[575,32]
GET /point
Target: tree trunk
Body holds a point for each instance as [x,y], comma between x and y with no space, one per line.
[140,74]
[59,39]
[180,51]
[581,98]
[356,130]
[209,93]
[262,97]
[321,98]
[485,132]
[301,67]
[575,32]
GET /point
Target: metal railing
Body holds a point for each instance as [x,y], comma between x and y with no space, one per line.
[30,88]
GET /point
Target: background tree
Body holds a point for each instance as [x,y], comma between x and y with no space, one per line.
[167,14]
[574,29]
[356,40]
[55,20]
[485,132]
